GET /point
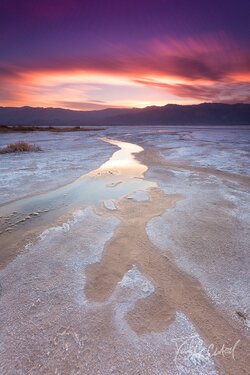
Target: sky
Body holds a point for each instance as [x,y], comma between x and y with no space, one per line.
[85,55]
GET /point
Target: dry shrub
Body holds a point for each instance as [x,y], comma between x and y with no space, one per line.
[20,147]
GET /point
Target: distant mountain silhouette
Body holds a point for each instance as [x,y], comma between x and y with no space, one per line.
[170,114]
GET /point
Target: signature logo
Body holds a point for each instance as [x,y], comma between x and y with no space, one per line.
[192,349]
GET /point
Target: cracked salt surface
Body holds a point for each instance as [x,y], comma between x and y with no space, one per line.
[48,325]
[186,351]
[45,314]
[226,149]
[42,285]
[207,232]
[188,233]
[64,157]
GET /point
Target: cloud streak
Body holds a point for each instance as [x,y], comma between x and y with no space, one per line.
[208,68]
[218,92]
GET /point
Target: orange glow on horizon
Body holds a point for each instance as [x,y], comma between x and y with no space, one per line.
[89,89]
[98,89]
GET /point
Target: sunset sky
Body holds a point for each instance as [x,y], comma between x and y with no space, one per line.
[82,54]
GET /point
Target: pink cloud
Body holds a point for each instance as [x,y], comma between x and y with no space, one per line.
[223,92]
[211,57]
[208,68]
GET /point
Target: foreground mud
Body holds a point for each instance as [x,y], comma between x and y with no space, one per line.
[174,291]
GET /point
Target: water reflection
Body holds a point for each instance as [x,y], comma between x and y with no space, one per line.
[122,162]
[121,175]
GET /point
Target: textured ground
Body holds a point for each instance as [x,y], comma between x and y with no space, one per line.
[154,283]
[64,157]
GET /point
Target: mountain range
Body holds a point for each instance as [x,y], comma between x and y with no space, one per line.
[170,114]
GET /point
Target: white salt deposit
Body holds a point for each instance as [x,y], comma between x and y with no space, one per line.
[110,205]
[64,157]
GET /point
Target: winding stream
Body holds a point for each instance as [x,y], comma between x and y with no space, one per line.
[121,175]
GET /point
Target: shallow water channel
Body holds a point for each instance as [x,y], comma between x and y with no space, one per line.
[121,175]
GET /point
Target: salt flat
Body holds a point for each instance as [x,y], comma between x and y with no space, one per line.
[154,286]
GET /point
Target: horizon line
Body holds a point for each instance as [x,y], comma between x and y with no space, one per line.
[115,107]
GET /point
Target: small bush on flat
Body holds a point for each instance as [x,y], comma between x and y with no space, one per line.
[19,147]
